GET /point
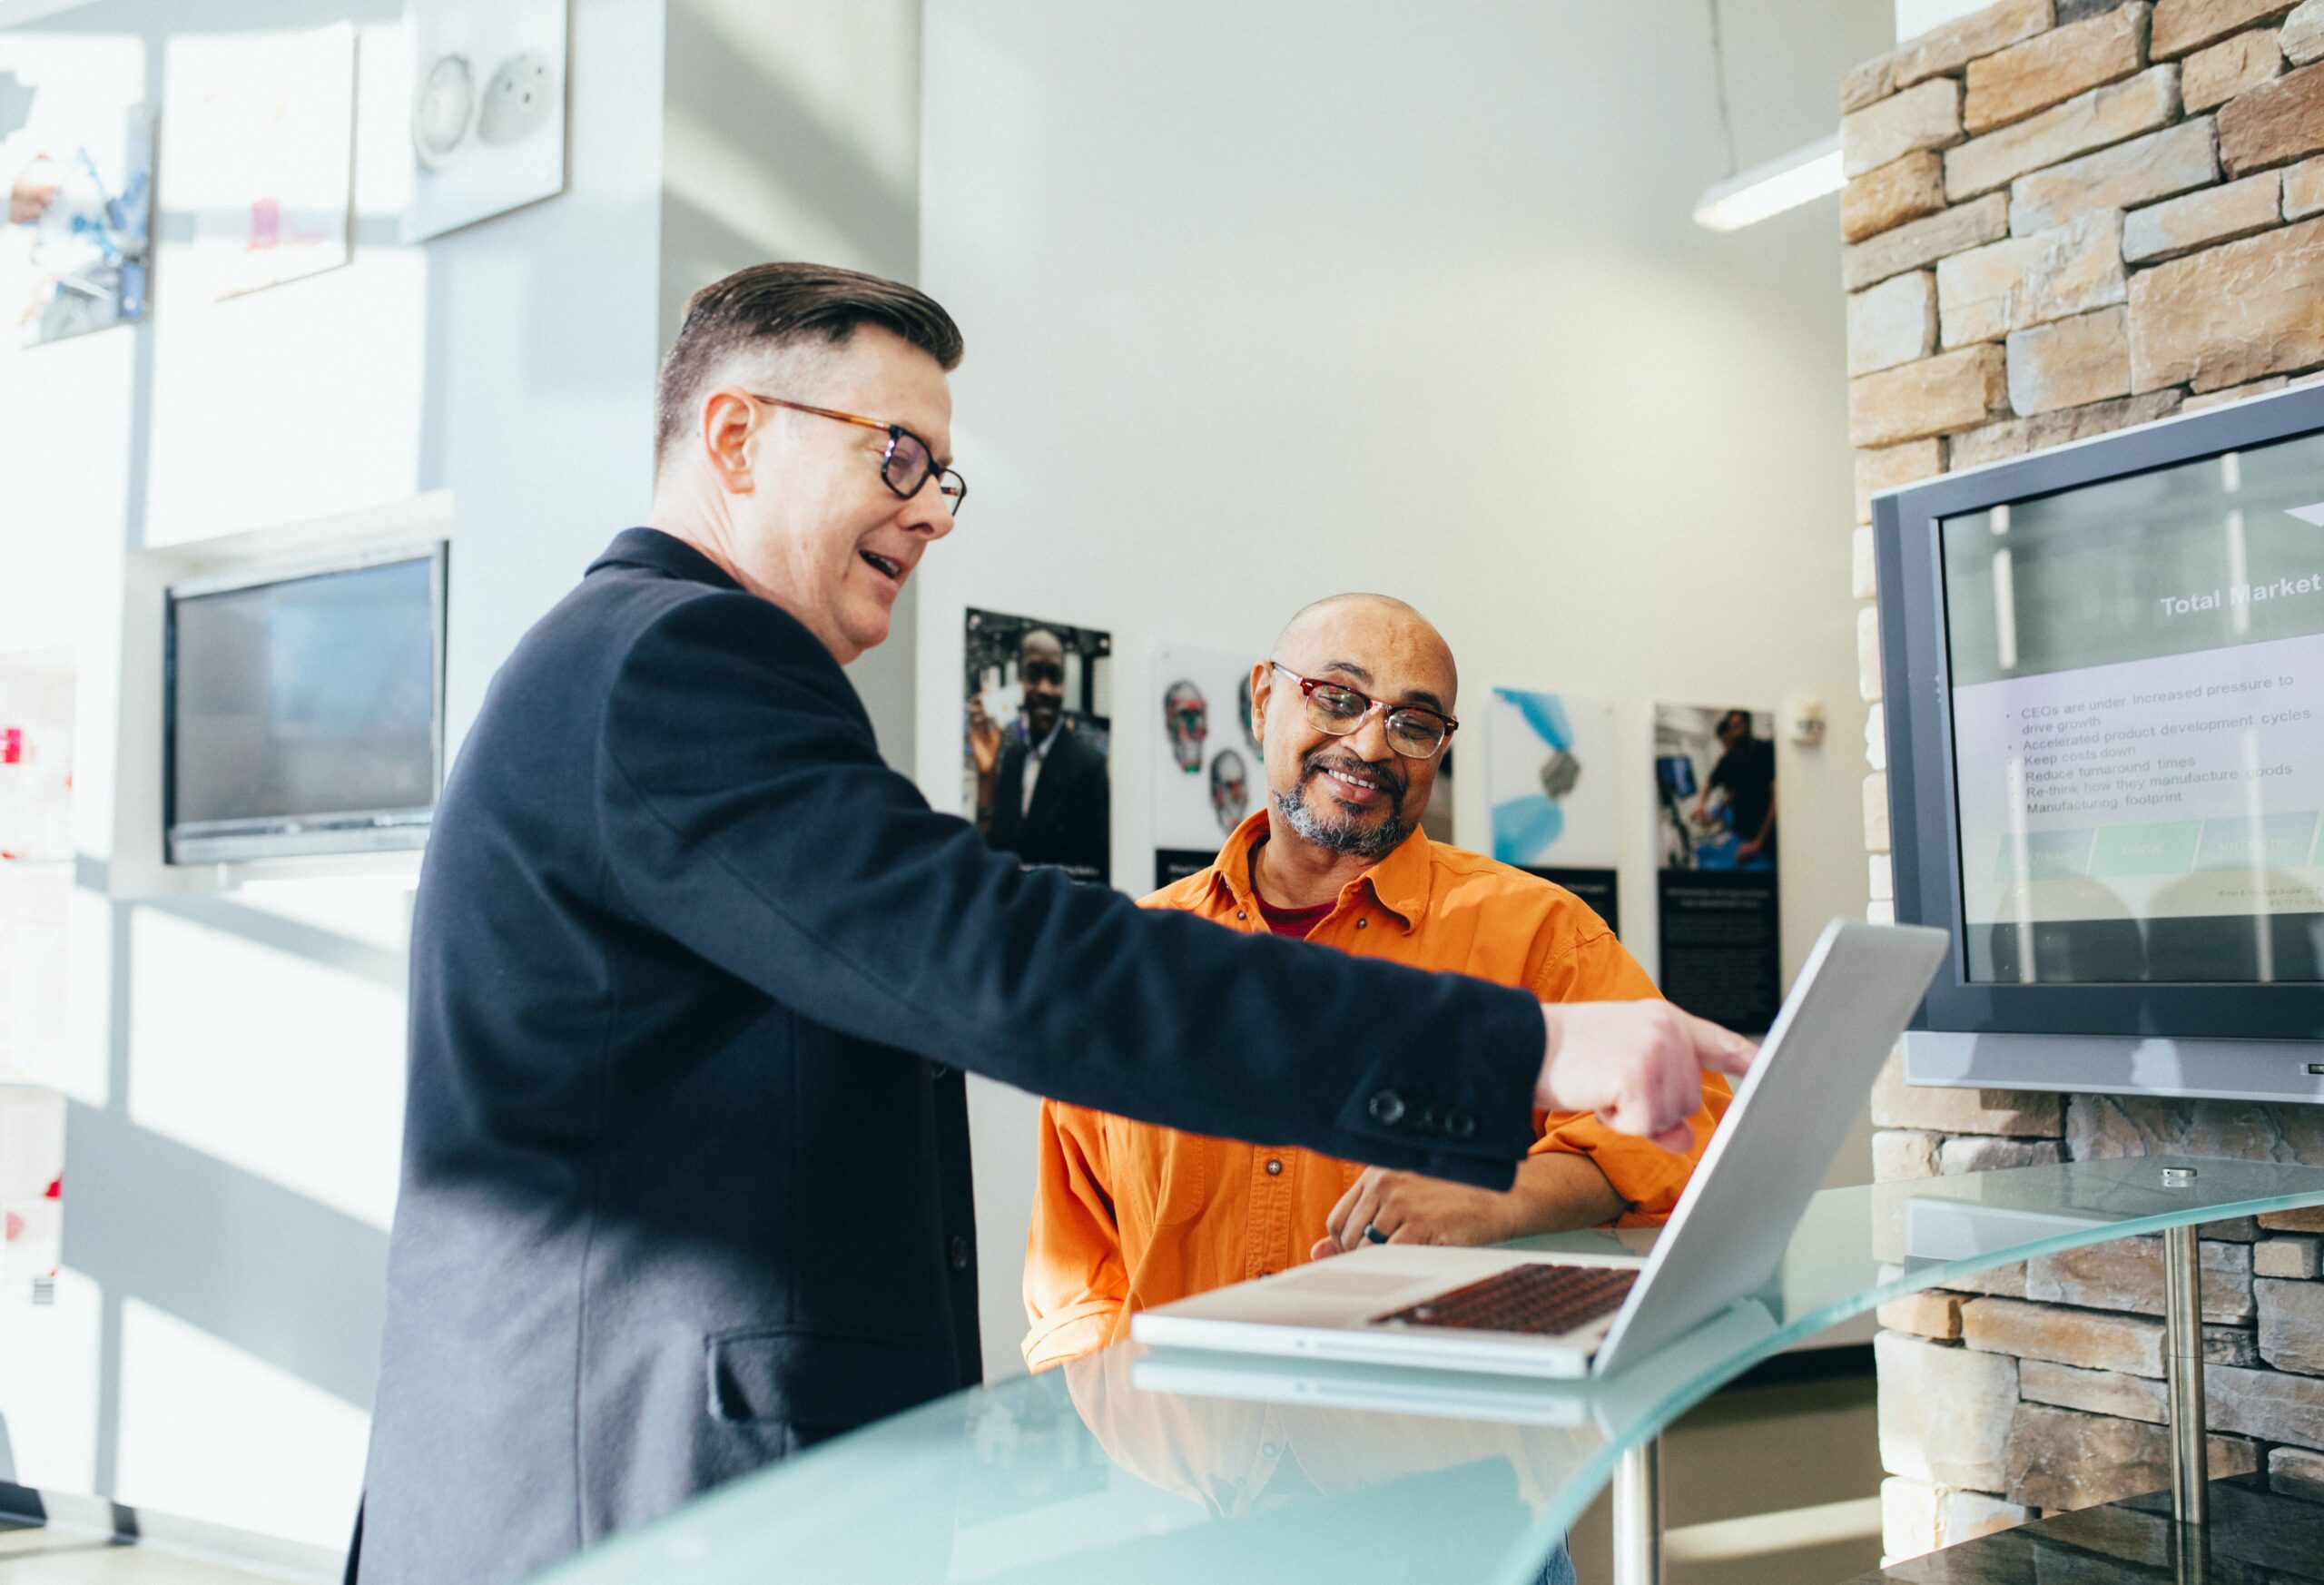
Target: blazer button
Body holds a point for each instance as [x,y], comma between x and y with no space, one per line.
[1461,1122]
[1388,1108]
[939,1070]
[960,1252]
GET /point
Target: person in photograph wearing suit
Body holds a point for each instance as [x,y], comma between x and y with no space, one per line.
[1052,799]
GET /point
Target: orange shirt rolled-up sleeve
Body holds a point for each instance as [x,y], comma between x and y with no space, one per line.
[1649,1177]
[1075,1284]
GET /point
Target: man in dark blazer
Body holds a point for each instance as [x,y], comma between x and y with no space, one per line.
[695,974]
[1065,819]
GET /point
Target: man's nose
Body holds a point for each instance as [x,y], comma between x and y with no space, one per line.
[928,510]
[1370,739]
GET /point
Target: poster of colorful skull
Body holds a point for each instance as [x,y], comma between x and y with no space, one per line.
[1037,726]
[76,153]
[1207,770]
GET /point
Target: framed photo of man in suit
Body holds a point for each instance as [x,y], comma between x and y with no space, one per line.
[1036,733]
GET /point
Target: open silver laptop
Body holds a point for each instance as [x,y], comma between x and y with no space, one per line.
[1513,1312]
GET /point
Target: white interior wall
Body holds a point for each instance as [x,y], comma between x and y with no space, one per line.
[1264,302]
[236,1063]
[1916,17]
[792,131]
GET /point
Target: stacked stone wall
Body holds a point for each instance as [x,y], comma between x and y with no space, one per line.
[2064,217]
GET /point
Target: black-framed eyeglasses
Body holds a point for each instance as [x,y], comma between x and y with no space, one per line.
[1413,730]
[907,463]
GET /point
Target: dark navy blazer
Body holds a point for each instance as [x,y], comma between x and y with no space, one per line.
[685,1180]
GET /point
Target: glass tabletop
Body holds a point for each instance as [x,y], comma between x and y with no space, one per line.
[1143,1465]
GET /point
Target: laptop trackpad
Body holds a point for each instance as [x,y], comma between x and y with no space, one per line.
[1325,1277]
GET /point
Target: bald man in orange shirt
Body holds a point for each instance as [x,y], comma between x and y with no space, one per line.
[1355,711]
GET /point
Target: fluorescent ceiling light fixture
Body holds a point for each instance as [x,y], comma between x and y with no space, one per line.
[1783,182]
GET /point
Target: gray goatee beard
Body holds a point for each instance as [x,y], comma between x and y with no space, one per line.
[1339,833]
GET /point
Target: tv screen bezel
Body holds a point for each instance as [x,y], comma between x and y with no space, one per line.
[1916,695]
[318,835]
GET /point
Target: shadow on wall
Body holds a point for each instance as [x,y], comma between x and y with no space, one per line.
[294,1284]
[714,93]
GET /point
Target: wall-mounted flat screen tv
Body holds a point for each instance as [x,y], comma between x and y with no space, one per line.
[304,712]
[2105,708]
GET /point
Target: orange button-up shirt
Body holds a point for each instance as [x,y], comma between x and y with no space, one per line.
[1128,1215]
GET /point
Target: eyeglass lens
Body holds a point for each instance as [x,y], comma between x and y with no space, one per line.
[909,466]
[1414,733]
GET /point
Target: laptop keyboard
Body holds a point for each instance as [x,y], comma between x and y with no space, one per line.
[1543,1300]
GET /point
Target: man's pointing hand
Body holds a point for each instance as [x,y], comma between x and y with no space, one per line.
[1638,1065]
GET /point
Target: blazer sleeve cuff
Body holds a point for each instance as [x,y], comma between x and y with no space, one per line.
[1470,1122]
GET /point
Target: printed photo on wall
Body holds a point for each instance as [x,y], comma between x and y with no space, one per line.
[1550,775]
[78,159]
[36,698]
[1715,818]
[1036,731]
[1207,772]
[488,108]
[32,1195]
[261,153]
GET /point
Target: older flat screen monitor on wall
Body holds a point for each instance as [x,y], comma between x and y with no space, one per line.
[303,713]
[2105,686]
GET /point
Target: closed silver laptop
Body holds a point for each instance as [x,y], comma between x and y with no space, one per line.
[1512,1312]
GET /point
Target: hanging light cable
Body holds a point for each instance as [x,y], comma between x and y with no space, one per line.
[1783,182]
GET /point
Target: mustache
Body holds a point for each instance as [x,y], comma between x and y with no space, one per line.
[1384,770]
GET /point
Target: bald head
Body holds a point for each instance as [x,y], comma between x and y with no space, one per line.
[1368,629]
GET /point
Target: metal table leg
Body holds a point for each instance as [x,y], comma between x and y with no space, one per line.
[1638,1515]
[2182,1321]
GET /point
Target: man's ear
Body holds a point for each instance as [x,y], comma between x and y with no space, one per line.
[728,422]
[1262,686]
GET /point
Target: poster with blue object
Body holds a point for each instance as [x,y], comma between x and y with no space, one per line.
[1550,784]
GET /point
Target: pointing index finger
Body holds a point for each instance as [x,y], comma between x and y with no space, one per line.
[1722,1050]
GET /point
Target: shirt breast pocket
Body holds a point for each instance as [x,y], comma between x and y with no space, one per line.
[1159,1173]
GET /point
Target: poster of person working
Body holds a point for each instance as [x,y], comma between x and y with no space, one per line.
[1549,775]
[1035,736]
[1716,897]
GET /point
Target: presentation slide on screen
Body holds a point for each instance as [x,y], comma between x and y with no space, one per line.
[2137,725]
[2184,785]
[2181,796]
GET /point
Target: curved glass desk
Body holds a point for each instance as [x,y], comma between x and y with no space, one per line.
[1146,1465]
